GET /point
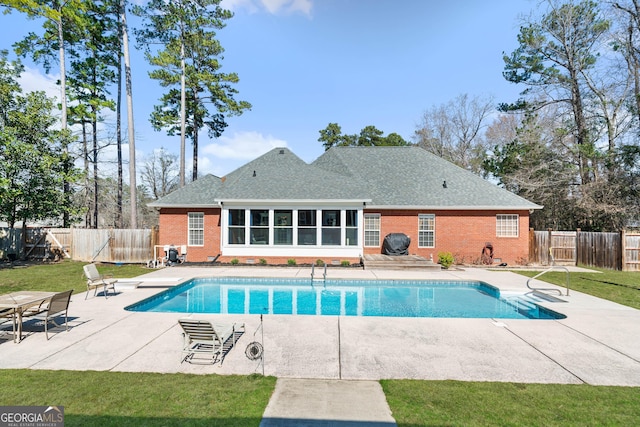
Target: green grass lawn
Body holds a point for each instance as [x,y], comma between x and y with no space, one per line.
[455,403]
[58,277]
[622,287]
[135,399]
[118,399]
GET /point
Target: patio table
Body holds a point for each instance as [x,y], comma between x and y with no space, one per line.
[20,302]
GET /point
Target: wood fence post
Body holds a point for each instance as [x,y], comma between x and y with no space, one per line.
[623,250]
[154,239]
[549,248]
[578,247]
[532,245]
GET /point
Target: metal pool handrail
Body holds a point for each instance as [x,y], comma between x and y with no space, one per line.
[324,274]
[546,271]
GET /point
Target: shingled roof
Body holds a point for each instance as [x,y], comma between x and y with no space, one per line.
[410,176]
[200,193]
[383,177]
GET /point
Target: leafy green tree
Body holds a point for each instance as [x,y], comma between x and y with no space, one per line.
[188,63]
[60,16]
[332,136]
[33,166]
[369,136]
[91,74]
[553,57]
[525,161]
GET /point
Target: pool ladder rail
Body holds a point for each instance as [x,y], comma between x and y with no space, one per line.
[553,267]
[313,271]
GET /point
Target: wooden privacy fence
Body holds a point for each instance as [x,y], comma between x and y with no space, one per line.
[79,244]
[618,251]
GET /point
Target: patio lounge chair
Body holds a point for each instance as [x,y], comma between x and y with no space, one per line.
[95,280]
[57,306]
[202,337]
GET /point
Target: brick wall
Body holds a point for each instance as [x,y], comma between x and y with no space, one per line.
[463,233]
[173,231]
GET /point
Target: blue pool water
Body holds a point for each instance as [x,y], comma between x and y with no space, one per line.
[416,298]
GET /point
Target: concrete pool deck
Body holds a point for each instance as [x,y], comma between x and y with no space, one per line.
[596,344]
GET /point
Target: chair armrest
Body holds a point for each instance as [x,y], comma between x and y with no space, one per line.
[34,311]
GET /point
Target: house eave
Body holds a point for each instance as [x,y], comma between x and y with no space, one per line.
[295,202]
[183,206]
[454,208]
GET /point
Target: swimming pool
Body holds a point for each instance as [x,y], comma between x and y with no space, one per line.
[386,298]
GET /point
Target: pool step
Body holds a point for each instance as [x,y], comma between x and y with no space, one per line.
[530,305]
[372,261]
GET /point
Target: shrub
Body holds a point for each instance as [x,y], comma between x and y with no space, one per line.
[263,261]
[291,261]
[445,259]
[235,261]
[319,262]
[345,263]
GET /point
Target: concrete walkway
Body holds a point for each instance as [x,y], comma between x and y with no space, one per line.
[339,403]
[344,356]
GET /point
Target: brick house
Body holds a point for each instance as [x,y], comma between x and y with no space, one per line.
[341,206]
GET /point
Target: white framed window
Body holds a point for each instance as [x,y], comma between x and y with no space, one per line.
[331,227]
[426,230]
[283,227]
[259,227]
[372,230]
[351,227]
[237,223]
[196,228]
[507,225]
[307,227]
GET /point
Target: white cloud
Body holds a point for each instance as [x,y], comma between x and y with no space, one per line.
[274,7]
[32,80]
[230,152]
[242,146]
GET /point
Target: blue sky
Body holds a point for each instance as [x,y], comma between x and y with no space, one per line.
[306,63]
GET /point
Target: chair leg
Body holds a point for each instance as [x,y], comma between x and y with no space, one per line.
[14,326]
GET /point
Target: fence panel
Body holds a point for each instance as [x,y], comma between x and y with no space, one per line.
[563,247]
[599,250]
[10,245]
[126,246]
[631,252]
[587,248]
[131,246]
[80,244]
[539,248]
[91,245]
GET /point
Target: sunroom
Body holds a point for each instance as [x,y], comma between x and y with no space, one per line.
[292,229]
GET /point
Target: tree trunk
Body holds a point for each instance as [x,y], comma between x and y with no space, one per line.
[133,191]
[183,114]
[63,118]
[196,126]
[94,124]
[85,157]
[118,218]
